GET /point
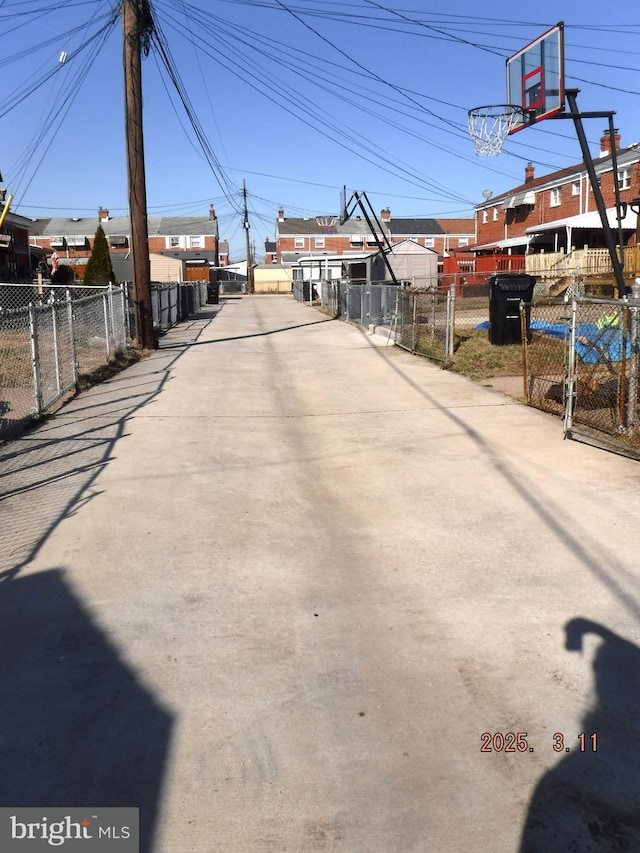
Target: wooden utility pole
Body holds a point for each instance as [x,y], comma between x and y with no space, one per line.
[250,285]
[137,24]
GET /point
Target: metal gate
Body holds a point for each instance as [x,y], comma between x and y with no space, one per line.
[582,361]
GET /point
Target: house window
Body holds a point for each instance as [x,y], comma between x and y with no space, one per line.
[485,217]
[463,241]
[555,197]
[624,179]
[356,240]
[174,242]
[429,242]
[371,240]
[195,242]
[495,214]
[575,188]
[319,242]
[298,243]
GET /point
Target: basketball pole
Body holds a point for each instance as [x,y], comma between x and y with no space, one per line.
[577,116]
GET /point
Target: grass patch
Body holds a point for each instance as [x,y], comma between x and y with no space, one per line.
[106,371]
[478,359]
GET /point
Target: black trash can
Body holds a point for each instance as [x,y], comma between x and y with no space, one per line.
[506,292]
[213,293]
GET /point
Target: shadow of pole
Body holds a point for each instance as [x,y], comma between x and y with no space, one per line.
[77,727]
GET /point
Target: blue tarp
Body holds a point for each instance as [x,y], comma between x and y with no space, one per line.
[593,344]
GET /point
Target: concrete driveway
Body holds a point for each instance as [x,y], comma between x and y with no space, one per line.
[287,588]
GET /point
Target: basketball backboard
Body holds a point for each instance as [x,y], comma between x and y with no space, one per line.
[535,78]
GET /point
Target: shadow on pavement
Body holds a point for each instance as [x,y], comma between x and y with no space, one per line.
[77,728]
[589,801]
[60,460]
[250,335]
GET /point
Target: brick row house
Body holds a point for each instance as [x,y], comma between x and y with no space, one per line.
[550,227]
[186,247]
[15,256]
[314,238]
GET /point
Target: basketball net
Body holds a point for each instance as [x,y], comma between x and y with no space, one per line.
[489,127]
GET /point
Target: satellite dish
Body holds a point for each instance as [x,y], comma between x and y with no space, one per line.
[487,193]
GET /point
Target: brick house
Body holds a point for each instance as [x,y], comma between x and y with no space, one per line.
[316,237]
[192,238]
[15,255]
[556,216]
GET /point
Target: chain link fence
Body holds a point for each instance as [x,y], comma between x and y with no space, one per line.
[171,303]
[604,374]
[426,322]
[369,304]
[582,362]
[545,355]
[44,348]
[22,295]
[421,321]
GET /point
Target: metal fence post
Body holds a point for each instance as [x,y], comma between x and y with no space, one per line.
[35,359]
[112,323]
[56,349]
[125,314]
[414,310]
[105,311]
[570,382]
[72,338]
[452,321]
[632,402]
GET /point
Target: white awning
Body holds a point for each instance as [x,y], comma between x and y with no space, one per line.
[519,200]
[507,243]
[524,240]
[587,220]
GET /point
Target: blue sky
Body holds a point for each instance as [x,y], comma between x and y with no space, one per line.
[297,98]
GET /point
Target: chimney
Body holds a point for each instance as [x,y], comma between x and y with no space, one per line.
[281,215]
[212,212]
[528,173]
[103,215]
[385,214]
[605,142]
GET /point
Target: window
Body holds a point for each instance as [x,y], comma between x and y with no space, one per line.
[356,240]
[624,179]
[575,188]
[298,243]
[463,241]
[555,197]
[429,242]
[195,242]
[174,242]
[495,214]
[319,242]
[485,217]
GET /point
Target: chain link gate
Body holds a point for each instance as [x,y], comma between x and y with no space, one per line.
[582,362]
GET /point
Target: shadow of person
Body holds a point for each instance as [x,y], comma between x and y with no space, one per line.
[78,727]
[590,801]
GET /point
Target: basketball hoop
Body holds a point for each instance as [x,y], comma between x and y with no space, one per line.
[489,126]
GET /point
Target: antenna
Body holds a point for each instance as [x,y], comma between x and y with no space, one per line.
[487,194]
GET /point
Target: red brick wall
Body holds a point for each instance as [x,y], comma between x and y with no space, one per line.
[517,220]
